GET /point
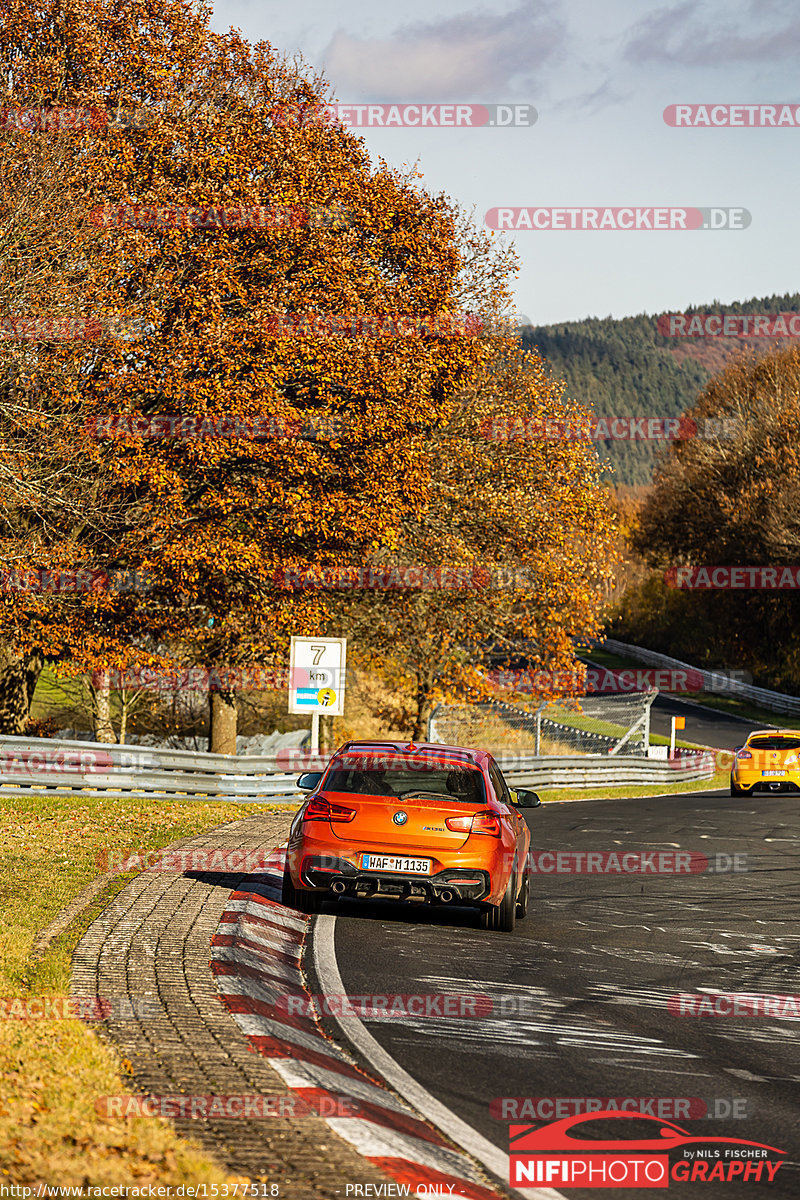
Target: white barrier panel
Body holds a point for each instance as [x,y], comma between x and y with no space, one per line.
[713,681]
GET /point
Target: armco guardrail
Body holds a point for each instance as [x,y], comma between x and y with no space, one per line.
[601,771]
[45,765]
[138,757]
[91,768]
[778,702]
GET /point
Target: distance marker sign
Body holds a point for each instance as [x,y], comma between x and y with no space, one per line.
[317,675]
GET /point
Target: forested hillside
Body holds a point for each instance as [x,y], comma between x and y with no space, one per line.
[624,368]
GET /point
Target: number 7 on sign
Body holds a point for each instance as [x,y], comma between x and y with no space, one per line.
[318,653]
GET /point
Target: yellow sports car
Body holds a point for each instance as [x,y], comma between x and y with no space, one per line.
[769,761]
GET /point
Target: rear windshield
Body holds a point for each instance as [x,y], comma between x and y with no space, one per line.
[457,783]
[775,743]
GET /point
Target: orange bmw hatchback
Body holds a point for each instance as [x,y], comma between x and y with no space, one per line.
[426,823]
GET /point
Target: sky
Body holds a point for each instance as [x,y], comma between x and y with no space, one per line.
[599,74]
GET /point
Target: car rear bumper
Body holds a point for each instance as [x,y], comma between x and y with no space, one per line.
[756,782]
[453,885]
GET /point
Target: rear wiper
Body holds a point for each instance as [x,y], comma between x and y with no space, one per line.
[429,795]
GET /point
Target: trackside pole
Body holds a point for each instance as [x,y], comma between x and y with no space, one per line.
[314,733]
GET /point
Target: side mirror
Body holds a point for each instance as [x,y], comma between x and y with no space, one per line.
[309,780]
[526,799]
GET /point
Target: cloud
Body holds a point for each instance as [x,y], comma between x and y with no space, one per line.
[469,56]
[605,95]
[673,36]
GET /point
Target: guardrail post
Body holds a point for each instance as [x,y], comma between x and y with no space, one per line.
[537,744]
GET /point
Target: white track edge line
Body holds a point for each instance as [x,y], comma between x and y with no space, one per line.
[471,1142]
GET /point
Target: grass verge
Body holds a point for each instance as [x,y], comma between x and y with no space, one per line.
[720,779]
[52,1071]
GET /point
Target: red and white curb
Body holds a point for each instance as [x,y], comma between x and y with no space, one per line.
[255,956]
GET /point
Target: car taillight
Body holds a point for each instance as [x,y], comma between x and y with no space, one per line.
[320,809]
[744,754]
[480,823]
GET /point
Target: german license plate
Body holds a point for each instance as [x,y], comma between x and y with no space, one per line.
[773,772]
[389,862]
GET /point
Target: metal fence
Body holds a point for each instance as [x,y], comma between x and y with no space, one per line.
[617,724]
[45,766]
[713,681]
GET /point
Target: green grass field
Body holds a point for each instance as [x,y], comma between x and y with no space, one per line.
[53,1070]
[720,779]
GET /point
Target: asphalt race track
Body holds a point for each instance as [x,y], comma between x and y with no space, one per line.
[585,979]
[706,726]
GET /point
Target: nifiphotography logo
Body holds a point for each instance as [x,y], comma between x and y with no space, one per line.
[554,1155]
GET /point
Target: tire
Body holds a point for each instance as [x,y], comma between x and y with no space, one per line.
[488,916]
[737,791]
[507,909]
[501,916]
[301,901]
[310,902]
[524,897]
[288,890]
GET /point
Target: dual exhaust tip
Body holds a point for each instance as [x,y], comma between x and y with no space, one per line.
[445,896]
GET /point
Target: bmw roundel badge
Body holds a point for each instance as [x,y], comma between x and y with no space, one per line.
[400,818]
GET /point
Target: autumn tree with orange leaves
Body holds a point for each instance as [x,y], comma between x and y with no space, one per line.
[730,499]
[209,217]
[213,521]
[59,296]
[526,527]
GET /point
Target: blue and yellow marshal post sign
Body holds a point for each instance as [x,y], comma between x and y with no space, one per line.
[317,675]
